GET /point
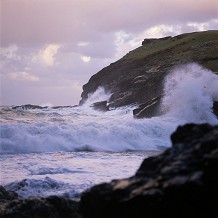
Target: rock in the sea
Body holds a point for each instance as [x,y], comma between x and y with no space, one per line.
[100,106]
[33,107]
[181,182]
[215,108]
[29,107]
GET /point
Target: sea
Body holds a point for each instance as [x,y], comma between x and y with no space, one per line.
[66,150]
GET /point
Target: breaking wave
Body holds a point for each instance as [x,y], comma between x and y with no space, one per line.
[190,91]
[188,97]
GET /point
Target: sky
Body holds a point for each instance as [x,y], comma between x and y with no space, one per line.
[50,48]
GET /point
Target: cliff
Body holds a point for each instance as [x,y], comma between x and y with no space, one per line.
[138,77]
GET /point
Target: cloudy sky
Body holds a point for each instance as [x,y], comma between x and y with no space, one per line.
[50,48]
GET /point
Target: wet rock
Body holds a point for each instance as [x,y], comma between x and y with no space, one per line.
[180,182]
[50,207]
[7,195]
[63,107]
[148,109]
[100,106]
[33,107]
[215,108]
[29,107]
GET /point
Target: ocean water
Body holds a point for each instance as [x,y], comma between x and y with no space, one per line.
[67,150]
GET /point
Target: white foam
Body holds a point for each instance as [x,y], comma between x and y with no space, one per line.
[99,95]
[65,173]
[189,94]
[96,133]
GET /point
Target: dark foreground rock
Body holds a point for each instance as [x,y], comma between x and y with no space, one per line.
[7,195]
[50,207]
[181,182]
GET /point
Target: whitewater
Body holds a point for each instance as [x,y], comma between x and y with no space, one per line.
[66,150]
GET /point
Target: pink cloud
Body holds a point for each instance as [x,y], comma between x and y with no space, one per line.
[55,21]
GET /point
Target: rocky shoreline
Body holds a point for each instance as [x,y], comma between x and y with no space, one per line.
[138,77]
[180,182]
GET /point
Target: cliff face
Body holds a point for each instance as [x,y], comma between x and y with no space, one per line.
[138,76]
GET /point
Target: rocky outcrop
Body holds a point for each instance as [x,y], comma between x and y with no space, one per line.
[50,207]
[215,108]
[137,78]
[148,109]
[181,182]
[100,106]
[152,108]
[33,107]
[28,107]
[7,195]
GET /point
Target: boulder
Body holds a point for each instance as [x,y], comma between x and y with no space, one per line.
[100,106]
[59,207]
[215,108]
[50,207]
[148,109]
[29,107]
[7,195]
[180,182]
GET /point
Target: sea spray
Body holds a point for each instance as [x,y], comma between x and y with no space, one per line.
[189,93]
[99,95]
